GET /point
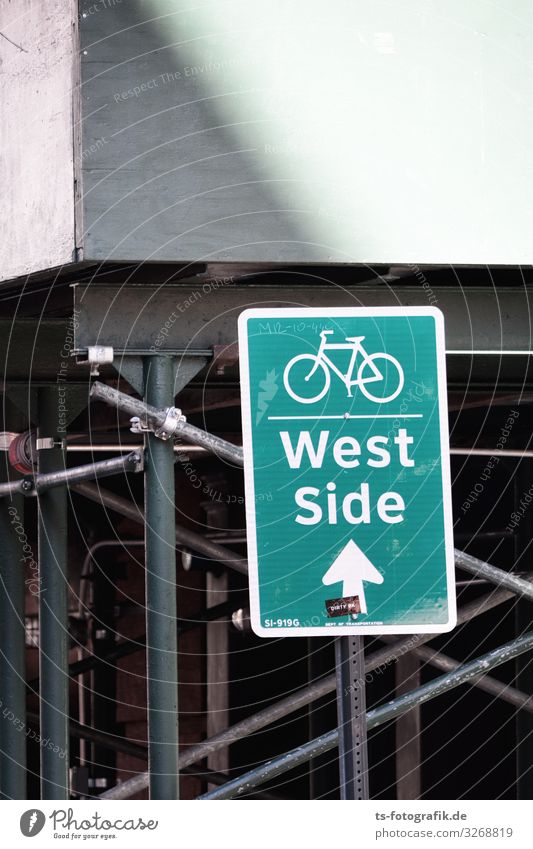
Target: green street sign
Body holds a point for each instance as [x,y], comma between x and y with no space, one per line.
[348,493]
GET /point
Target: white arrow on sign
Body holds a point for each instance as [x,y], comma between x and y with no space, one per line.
[352,567]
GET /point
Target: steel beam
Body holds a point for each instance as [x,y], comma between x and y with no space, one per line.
[33,350]
[15,553]
[53,613]
[161,630]
[377,660]
[245,783]
[131,317]
[478,318]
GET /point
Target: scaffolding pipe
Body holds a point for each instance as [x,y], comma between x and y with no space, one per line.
[80,667]
[301,698]
[53,610]
[217,552]
[184,537]
[103,468]
[212,777]
[103,738]
[255,777]
[155,417]
[129,509]
[135,750]
[440,661]
[519,700]
[161,630]
[110,447]
[214,551]
[496,576]
[234,561]
[490,685]
[15,552]
[63,477]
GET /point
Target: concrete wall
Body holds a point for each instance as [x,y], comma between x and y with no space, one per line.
[36,126]
[266,132]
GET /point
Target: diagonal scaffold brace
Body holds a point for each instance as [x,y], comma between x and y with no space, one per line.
[167,423]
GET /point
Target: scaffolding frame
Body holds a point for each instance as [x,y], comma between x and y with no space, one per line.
[161,423]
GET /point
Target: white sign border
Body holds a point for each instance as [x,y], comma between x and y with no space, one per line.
[251,529]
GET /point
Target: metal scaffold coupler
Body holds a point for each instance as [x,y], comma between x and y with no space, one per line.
[166,430]
[173,418]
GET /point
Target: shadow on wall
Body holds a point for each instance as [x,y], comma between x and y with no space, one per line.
[190,148]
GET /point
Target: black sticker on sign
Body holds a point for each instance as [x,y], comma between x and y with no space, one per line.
[343,606]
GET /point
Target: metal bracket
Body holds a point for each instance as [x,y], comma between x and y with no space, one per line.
[43,443]
[166,430]
[138,425]
[225,357]
[98,355]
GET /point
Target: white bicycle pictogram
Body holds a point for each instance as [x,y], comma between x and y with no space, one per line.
[322,365]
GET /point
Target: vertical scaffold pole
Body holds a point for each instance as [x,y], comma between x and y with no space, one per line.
[408,732]
[161,629]
[53,611]
[15,553]
[351,711]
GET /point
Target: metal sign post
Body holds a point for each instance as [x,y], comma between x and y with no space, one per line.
[351,712]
